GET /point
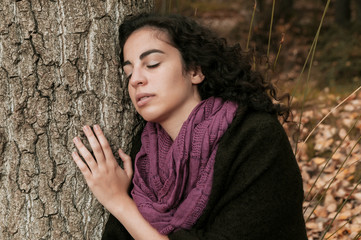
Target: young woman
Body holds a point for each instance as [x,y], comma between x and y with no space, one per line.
[213,161]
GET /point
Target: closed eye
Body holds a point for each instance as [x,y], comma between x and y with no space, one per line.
[153,65]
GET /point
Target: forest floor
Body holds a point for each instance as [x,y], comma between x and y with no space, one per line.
[328,152]
[330,165]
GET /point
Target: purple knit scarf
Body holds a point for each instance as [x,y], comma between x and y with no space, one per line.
[173,180]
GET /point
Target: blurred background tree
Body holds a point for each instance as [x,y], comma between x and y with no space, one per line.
[344,11]
[338,54]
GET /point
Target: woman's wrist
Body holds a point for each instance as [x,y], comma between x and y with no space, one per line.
[118,206]
[127,213]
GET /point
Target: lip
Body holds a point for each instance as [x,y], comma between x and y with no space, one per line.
[143,98]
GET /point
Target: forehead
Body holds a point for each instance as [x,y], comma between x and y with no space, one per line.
[145,38]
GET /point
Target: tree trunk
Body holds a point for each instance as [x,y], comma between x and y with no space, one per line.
[342,12]
[59,70]
[283,10]
[358,12]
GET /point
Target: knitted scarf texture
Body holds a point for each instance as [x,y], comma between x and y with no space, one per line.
[173,179]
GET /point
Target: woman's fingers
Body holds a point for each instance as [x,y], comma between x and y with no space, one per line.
[103,143]
[127,163]
[81,165]
[106,179]
[94,143]
[103,154]
[84,152]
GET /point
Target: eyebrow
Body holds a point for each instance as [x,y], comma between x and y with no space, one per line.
[143,55]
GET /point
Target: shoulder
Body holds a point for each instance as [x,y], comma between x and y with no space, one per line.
[257,120]
[253,125]
[254,140]
[255,144]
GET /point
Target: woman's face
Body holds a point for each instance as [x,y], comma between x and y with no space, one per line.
[159,87]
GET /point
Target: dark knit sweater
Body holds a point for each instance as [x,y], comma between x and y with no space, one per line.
[257,188]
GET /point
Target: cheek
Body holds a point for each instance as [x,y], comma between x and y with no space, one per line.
[176,78]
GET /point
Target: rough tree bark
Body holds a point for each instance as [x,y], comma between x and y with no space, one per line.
[59,70]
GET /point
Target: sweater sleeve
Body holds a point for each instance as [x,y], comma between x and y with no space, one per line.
[257,190]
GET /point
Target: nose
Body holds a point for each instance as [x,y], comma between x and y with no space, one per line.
[138,78]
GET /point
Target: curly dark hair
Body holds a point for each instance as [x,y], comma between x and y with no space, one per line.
[227,69]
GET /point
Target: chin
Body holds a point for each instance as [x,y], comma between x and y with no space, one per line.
[149,117]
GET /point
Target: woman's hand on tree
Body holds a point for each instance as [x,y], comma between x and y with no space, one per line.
[109,183]
[105,178]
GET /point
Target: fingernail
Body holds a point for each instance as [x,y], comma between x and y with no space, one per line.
[76,139]
[96,127]
[86,128]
